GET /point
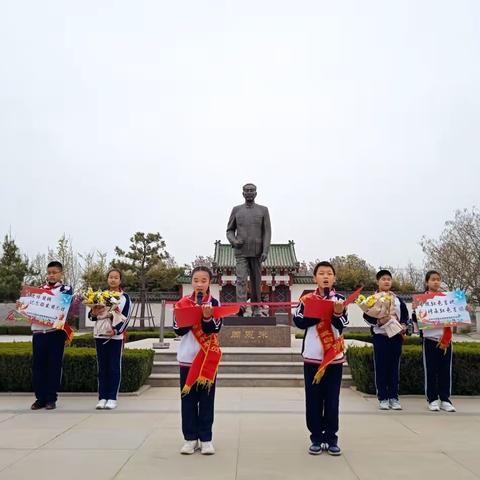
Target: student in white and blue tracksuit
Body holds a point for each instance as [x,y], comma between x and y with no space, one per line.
[47,349]
[437,356]
[110,347]
[387,351]
[198,406]
[322,398]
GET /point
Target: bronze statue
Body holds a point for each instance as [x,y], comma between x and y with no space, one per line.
[249,233]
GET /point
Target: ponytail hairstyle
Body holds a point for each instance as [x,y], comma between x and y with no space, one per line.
[119,273]
[203,268]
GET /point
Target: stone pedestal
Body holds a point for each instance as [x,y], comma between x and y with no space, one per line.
[243,321]
[255,336]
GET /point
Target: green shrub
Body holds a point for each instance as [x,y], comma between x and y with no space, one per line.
[15,367]
[15,330]
[84,340]
[361,336]
[79,368]
[87,339]
[27,330]
[367,337]
[465,369]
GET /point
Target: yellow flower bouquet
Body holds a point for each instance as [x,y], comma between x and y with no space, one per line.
[107,317]
[378,305]
[381,306]
[101,297]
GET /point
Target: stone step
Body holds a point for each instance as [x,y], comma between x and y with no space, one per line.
[239,367]
[243,367]
[241,380]
[165,356]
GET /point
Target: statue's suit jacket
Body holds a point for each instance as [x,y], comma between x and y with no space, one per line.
[252,225]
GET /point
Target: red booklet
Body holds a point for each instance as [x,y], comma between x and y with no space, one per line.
[318,308]
[188,316]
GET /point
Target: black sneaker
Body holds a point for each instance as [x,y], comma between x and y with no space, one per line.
[334,450]
[37,405]
[315,449]
[51,406]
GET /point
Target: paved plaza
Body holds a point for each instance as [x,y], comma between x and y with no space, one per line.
[259,433]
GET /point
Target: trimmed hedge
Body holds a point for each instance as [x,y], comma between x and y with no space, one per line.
[465,369]
[79,368]
[87,340]
[27,329]
[15,330]
[367,337]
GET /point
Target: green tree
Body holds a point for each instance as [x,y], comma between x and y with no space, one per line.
[37,270]
[353,271]
[146,251]
[163,277]
[64,253]
[13,268]
[94,270]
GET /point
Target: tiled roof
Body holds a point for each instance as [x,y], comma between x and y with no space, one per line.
[303,279]
[186,279]
[280,255]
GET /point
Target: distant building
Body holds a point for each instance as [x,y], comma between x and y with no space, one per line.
[281,280]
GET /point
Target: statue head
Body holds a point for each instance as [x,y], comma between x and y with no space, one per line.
[249,192]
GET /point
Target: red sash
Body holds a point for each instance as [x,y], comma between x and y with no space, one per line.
[331,346]
[444,342]
[205,364]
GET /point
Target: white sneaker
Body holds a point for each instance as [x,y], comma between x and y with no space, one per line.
[447,406]
[189,447]
[434,406]
[111,404]
[101,404]
[207,448]
[384,405]
[394,404]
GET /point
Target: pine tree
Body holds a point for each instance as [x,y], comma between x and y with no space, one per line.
[147,251]
[13,268]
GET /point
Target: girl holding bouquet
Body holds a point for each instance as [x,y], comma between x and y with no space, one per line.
[388,317]
[437,356]
[110,317]
[199,356]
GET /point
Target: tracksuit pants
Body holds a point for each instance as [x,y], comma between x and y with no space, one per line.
[321,402]
[437,365]
[109,366]
[197,410]
[47,360]
[386,353]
